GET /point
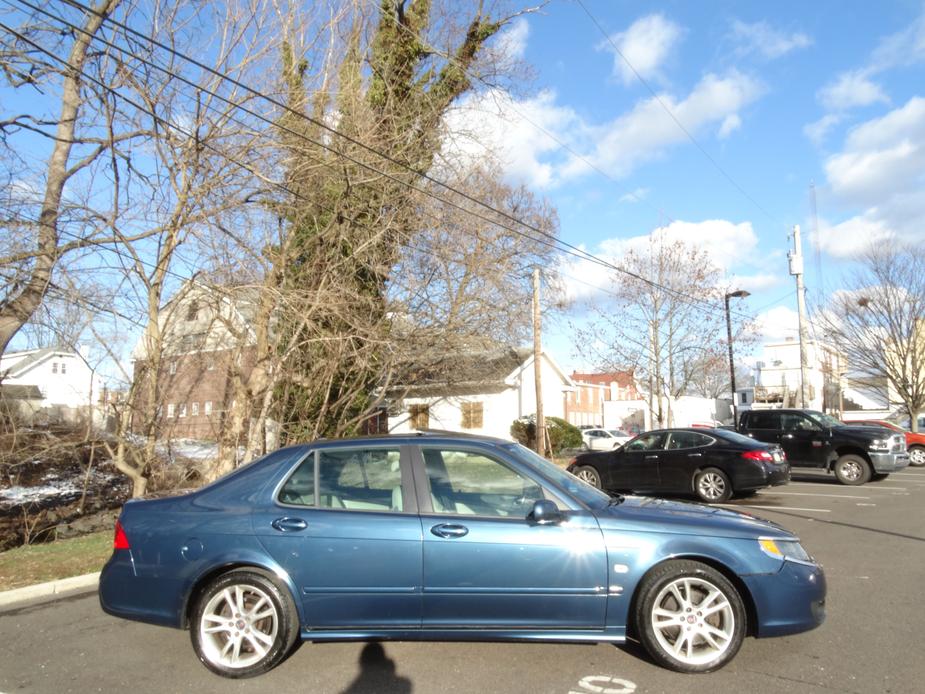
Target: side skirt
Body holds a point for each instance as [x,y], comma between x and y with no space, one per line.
[562,636]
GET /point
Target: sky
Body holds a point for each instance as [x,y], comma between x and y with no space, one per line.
[715,123]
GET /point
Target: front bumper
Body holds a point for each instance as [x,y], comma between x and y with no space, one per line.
[790,601]
[889,462]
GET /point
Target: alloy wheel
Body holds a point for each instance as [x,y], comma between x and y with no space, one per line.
[239,626]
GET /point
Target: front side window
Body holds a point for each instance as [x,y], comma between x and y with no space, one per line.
[796,422]
[646,442]
[362,479]
[470,483]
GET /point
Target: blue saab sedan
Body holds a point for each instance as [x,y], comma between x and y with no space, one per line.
[448,537]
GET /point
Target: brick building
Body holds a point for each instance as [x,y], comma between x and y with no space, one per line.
[584,405]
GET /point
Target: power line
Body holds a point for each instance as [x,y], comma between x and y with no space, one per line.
[566,247]
[673,117]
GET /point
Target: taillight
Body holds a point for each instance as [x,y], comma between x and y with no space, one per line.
[761,455]
[572,461]
[120,541]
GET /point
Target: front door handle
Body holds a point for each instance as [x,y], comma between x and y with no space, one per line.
[449,530]
[651,457]
[288,525]
[695,455]
[787,436]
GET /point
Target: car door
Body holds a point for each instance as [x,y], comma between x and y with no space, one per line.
[344,524]
[764,425]
[635,465]
[685,452]
[802,439]
[597,440]
[486,565]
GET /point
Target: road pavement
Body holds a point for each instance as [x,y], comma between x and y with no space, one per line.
[871,540]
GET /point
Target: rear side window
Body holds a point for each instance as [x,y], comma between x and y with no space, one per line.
[365,479]
[688,439]
[764,420]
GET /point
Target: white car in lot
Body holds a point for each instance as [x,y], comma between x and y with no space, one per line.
[604,439]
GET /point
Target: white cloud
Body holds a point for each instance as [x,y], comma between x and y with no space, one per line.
[765,40]
[881,169]
[647,130]
[731,123]
[849,90]
[818,130]
[634,196]
[903,48]
[645,45]
[777,324]
[512,42]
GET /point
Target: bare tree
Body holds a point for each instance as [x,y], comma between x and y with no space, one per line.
[878,322]
[663,320]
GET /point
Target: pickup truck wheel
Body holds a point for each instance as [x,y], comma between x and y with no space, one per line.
[917,456]
[852,470]
[712,485]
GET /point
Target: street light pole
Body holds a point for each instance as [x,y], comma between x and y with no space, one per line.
[739,294]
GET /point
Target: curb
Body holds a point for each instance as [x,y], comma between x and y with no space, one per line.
[50,590]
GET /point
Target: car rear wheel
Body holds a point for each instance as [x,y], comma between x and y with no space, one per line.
[689,617]
[588,474]
[852,470]
[243,624]
[917,456]
[712,485]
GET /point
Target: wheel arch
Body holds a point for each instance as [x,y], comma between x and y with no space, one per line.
[849,449]
[279,577]
[751,611]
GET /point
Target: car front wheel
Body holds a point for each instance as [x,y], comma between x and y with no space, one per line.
[588,474]
[243,624]
[689,617]
[712,485]
[917,456]
[852,470]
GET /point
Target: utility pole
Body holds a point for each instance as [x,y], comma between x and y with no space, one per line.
[796,269]
[538,366]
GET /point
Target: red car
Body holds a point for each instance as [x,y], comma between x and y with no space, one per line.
[914,442]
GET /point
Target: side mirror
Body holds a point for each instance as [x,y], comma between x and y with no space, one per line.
[545,512]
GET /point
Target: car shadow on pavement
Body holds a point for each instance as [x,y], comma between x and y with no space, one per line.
[377,674]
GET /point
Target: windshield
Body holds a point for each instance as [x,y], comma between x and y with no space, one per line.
[584,492]
[823,419]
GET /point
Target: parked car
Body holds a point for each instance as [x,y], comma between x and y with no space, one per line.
[714,464]
[449,537]
[813,439]
[603,439]
[915,442]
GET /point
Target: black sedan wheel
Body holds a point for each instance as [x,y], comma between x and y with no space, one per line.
[712,485]
[588,474]
[243,624]
[689,617]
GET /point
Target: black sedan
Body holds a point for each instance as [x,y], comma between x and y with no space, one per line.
[714,464]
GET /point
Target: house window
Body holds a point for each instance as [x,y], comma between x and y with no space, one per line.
[210,364]
[194,409]
[182,412]
[472,415]
[170,410]
[54,367]
[207,408]
[192,313]
[63,367]
[420,416]
[173,368]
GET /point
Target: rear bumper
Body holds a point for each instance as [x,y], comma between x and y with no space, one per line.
[124,594]
[889,462]
[790,601]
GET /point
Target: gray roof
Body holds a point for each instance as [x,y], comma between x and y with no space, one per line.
[18,392]
[462,373]
[24,365]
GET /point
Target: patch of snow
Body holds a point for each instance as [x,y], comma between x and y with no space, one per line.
[26,495]
[189,448]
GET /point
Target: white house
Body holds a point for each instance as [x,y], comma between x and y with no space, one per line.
[68,386]
[487,391]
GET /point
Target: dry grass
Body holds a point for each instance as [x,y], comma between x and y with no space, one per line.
[31,564]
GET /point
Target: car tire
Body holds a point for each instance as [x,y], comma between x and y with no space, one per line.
[588,474]
[712,486]
[243,624]
[852,470]
[670,617]
[584,446]
[917,456]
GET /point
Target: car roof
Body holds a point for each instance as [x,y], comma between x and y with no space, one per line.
[413,436]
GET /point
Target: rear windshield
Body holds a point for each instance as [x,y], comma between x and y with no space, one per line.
[735,437]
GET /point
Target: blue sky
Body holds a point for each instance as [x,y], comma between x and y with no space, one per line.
[778,94]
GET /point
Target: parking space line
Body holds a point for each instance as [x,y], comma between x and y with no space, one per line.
[777,508]
[831,496]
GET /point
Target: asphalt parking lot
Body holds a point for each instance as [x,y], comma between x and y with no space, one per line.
[871,540]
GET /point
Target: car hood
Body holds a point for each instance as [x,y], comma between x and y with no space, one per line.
[642,514]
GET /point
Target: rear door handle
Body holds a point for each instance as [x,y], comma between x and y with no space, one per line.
[695,455]
[651,457]
[787,436]
[287,524]
[449,530]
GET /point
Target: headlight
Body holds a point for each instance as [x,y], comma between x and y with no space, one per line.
[879,445]
[784,549]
